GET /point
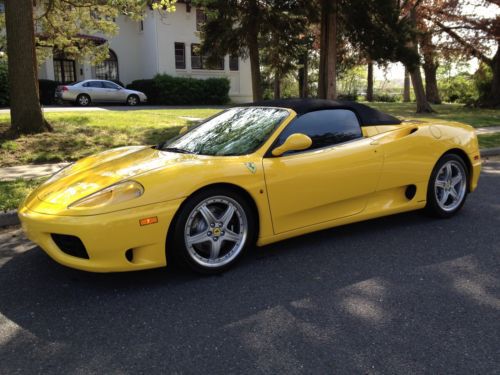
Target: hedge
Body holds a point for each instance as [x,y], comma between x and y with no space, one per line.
[46,87]
[167,90]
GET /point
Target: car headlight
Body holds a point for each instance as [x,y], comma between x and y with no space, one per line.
[114,194]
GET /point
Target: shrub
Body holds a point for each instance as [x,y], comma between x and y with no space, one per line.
[168,90]
[4,85]
[387,98]
[118,82]
[47,90]
[46,87]
[350,96]
[147,86]
[483,79]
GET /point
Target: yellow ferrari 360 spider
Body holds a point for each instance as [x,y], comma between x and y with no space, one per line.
[257,173]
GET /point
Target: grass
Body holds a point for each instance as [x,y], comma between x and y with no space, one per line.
[489,140]
[78,134]
[476,117]
[13,192]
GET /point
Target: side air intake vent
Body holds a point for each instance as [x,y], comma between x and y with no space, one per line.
[410,192]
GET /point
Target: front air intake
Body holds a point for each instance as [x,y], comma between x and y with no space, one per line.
[70,245]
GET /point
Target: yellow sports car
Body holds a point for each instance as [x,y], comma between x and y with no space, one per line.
[258,173]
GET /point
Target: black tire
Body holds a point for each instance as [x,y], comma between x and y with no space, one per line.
[83,100]
[433,206]
[177,249]
[133,100]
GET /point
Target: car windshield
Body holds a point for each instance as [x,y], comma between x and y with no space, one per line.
[237,131]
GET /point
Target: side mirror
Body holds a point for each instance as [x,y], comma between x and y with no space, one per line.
[295,142]
[183,130]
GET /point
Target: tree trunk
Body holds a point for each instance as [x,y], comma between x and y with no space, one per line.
[423,105]
[406,89]
[253,52]
[277,87]
[494,99]
[25,111]
[327,87]
[430,69]
[369,87]
[304,77]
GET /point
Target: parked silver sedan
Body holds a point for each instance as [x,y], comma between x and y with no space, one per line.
[84,93]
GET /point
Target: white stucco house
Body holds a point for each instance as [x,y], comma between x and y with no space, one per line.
[161,43]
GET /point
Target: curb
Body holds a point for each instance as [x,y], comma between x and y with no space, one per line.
[10,217]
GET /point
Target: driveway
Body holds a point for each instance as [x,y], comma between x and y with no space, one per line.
[399,295]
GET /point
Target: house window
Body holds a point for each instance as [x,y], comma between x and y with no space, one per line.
[234,63]
[201,19]
[196,56]
[64,69]
[108,69]
[180,56]
[199,61]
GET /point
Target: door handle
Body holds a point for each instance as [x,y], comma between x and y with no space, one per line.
[374,142]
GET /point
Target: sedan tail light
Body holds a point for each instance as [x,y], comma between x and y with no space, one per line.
[62,88]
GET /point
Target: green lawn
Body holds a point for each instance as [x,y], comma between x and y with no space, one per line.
[489,140]
[13,192]
[476,117]
[78,134]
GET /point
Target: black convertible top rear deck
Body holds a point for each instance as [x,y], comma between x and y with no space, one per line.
[367,116]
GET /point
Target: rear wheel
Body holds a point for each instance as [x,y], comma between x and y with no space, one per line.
[83,100]
[212,231]
[132,100]
[448,186]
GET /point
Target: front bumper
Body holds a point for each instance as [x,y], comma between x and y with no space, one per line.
[106,237]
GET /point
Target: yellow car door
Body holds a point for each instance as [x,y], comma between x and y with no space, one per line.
[330,180]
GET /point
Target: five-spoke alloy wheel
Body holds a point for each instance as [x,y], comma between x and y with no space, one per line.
[213,230]
[447,186]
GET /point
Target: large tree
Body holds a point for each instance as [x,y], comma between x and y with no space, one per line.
[60,24]
[327,85]
[386,31]
[473,33]
[25,111]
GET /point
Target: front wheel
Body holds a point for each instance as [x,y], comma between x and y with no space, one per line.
[133,100]
[448,186]
[212,231]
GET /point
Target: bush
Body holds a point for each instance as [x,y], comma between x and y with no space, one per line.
[168,90]
[46,87]
[4,85]
[47,90]
[386,98]
[483,79]
[118,82]
[349,96]
[458,89]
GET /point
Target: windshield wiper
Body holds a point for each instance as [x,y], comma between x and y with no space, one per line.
[177,150]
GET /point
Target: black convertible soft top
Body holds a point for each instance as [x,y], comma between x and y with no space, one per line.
[367,116]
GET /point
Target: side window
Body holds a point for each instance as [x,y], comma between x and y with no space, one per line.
[110,85]
[95,84]
[325,128]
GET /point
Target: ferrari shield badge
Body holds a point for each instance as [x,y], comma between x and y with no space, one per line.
[251,167]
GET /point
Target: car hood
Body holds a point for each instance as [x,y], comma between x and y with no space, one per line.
[99,171]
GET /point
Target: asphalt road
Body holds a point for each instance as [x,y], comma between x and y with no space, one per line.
[400,295]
